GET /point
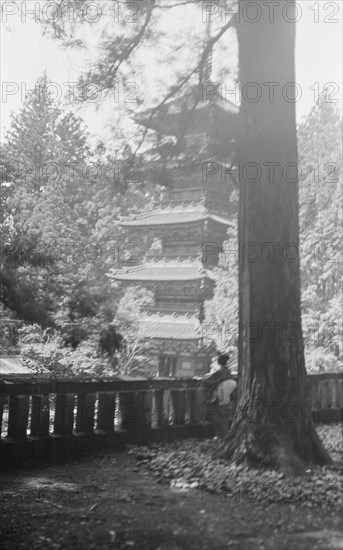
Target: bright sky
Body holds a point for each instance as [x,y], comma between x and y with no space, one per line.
[26,54]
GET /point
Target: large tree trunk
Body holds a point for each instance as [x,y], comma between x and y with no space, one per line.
[272,425]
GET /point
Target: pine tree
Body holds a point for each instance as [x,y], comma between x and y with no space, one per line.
[61,214]
[47,210]
[30,139]
[320,158]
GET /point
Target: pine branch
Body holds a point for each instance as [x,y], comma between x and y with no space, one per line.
[198,68]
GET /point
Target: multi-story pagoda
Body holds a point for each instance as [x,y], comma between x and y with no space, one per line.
[190,224]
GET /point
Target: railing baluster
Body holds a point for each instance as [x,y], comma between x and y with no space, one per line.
[2,402]
[159,419]
[85,413]
[339,393]
[148,406]
[128,409]
[133,414]
[168,411]
[191,405]
[200,409]
[179,406]
[106,410]
[40,416]
[18,416]
[64,414]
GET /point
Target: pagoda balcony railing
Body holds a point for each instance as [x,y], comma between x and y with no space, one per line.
[197,195]
[175,306]
[179,252]
[53,419]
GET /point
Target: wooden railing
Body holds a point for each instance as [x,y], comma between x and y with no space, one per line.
[325,396]
[50,420]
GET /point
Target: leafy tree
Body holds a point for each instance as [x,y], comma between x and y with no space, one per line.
[320,158]
[49,213]
[134,356]
[60,216]
[22,287]
[221,319]
[43,353]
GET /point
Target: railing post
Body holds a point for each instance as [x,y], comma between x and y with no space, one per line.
[2,402]
[179,405]
[191,404]
[128,410]
[85,413]
[201,405]
[40,416]
[148,406]
[168,410]
[159,419]
[64,414]
[133,415]
[106,410]
[18,416]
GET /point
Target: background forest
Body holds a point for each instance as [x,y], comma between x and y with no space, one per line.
[61,204]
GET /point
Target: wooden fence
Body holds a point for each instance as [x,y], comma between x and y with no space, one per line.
[325,396]
[57,419]
[52,420]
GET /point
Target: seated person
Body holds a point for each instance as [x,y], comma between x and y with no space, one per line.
[221,385]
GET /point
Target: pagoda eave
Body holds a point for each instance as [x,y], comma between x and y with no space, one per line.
[182,346]
[158,223]
[155,279]
[171,327]
[188,109]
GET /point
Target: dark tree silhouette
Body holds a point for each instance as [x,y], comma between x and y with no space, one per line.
[110,341]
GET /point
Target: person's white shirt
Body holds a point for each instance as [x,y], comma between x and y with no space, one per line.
[224,391]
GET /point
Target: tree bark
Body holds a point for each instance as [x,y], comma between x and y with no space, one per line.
[272,426]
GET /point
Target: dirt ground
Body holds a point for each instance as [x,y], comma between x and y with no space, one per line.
[108,502]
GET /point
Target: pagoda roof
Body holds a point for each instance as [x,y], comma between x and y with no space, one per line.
[170,117]
[171,327]
[13,364]
[165,271]
[174,216]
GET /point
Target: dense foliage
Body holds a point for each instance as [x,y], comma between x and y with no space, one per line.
[321,202]
[320,157]
[60,209]
[60,233]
